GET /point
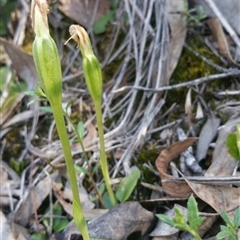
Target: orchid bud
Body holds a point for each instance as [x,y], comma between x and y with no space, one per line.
[91,66]
[45,53]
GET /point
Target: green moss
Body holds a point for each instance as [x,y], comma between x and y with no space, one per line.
[18,166]
[191,67]
[148,153]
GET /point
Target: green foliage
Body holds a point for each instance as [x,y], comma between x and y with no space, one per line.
[238,137]
[193,16]
[93,77]
[233,144]
[231,228]
[127,185]
[18,166]
[194,220]
[80,129]
[47,109]
[237,218]
[99,25]
[81,169]
[38,94]
[107,201]
[47,62]
[58,224]
[181,223]
[39,236]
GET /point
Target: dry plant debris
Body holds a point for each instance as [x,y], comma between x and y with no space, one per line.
[141,52]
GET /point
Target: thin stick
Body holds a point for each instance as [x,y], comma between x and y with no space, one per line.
[232,72]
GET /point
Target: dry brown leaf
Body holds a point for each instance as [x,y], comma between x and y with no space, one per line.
[86,203]
[218,33]
[23,64]
[166,156]
[25,68]
[82,11]
[88,213]
[32,201]
[178,32]
[91,135]
[217,196]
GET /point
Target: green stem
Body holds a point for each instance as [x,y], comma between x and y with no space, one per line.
[90,173]
[103,159]
[62,132]
[195,234]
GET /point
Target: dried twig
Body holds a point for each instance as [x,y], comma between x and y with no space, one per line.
[231,72]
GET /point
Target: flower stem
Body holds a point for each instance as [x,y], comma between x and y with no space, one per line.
[103,159]
[62,132]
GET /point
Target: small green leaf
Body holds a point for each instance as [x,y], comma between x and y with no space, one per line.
[194,220]
[238,138]
[223,234]
[47,109]
[100,24]
[80,129]
[237,218]
[33,101]
[226,233]
[101,188]
[107,201]
[179,218]
[58,223]
[166,219]
[180,221]
[96,167]
[39,236]
[224,228]
[61,225]
[231,143]
[127,185]
[81,169]
[227,220]
[56,211]
[31,93]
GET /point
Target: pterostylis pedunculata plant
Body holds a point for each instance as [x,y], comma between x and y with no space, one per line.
[93,76]
[48,67]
